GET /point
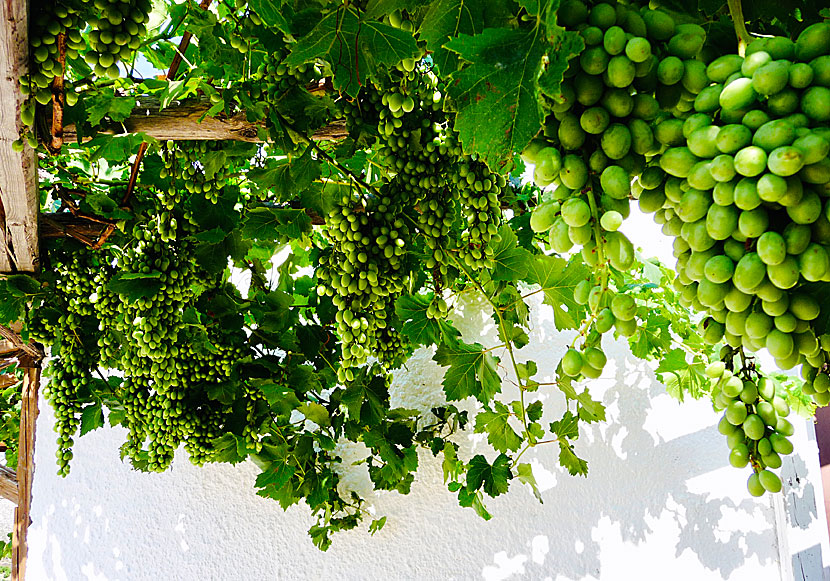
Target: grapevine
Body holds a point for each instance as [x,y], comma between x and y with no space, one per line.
[255,300]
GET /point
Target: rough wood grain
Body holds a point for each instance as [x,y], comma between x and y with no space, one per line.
[182,122]
[12,336]
[18,178]
[25,469]
[66,225]
[8,484]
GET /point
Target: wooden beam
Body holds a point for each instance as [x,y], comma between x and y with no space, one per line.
[25,469]
[67,225]
[19,202]
[184,121]
[8,484]
[29,349]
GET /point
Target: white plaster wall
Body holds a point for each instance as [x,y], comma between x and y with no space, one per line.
[660,502]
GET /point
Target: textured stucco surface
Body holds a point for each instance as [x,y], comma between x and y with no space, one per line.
[660,502]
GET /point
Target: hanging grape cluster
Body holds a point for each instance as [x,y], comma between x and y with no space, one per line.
[70,330]
[184,162]
[600,145]
[746,199]
[49,22]
[754,421]
[116,34]
[364,272]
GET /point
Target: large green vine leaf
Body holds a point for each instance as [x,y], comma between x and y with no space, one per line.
[354,48]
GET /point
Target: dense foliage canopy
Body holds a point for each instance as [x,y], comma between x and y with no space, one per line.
[382,150]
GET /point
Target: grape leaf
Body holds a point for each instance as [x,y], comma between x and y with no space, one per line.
[229,448]
[357,50]
[286,178]
[472,371]
[589,409]
[511,260]
[106,103]
[100,204]
[320,198]
[303,379]
[566,44]
[16,291]
[524,472]
[558,279]
[270,13]
[275,476]
[116,148]
[570,461]
[315,412]
[367,400]
[376,8]
[133,286]
[495,94]
[265,223]
[282,398]
[400,460]
[494,478]
[496,425]
[447,19]
[92,418]
[681,377]
[534,411]
[376,525]
[652,336]
[417,327]
[224,392]
[213,161]
[566,428]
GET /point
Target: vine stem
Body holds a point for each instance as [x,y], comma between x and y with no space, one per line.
[530,445]
[507,342]
[736,12]
[598,235]
[601,260]
[322,153]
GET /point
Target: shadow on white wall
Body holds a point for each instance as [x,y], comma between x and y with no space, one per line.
[660,502]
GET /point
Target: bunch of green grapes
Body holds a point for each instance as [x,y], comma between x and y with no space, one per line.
[70,374]
[183,161]
[754,422]
[362,114]
[602,133]
[74,354]
[116,34]
[363,270]
[479,190]
[48,22]
[608,310]
[412,129]
[276,78]
[420,150]
[746,198]
[166,408]
[141,330]
[242,25]
[599,149]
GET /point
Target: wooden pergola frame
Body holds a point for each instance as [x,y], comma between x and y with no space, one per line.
[19,253]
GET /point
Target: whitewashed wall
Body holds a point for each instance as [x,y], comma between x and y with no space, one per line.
[660,502]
